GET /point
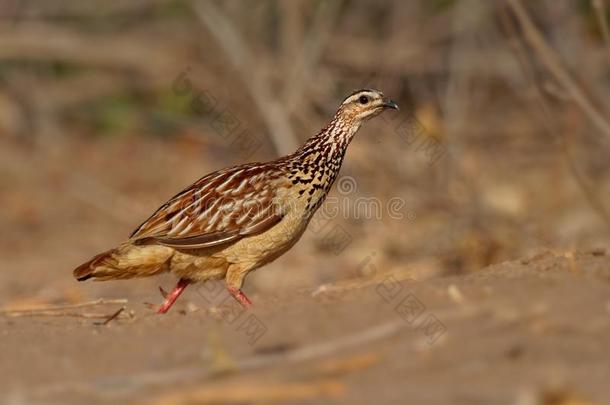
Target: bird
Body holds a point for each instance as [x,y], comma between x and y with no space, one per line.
[235,220]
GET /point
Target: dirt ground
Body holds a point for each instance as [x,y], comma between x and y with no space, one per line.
[394,318]
[533,331]
[363,326]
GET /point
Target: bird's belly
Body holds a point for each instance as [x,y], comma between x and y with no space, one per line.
[257,250]
[247,254]
[198,264]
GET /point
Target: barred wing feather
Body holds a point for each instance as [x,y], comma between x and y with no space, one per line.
[219,208]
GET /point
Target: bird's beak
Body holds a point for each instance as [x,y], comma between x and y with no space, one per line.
[387,103]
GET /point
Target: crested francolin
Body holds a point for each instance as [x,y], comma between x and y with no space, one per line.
[236,220]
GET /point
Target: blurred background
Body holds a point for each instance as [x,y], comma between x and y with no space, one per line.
[500,148]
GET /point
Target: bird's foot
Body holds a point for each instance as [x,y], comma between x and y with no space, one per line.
[240,297]
[173,296]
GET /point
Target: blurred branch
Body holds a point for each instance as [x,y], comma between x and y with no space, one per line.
[41,42]
[85,87]
[599,6]
[312,48]
[550,123]
[292,34]
[270,107]
[554,65]
[18,10]
[408,59]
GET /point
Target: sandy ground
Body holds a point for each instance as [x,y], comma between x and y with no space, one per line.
[393,318]
[521,332]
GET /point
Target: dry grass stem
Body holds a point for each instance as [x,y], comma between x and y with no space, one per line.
[58,309]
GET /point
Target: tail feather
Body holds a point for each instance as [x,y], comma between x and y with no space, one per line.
[125,261]
[88,269]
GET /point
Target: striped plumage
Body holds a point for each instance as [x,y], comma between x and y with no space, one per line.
[235,220]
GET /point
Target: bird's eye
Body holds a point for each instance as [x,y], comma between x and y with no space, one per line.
[363,99]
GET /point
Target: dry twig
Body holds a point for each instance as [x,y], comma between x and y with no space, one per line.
[58,310]
[113,316]
[554,65]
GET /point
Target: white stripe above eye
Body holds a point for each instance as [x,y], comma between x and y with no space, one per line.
[356,96]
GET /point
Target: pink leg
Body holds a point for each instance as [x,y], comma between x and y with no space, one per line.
[240,297]
[173,296]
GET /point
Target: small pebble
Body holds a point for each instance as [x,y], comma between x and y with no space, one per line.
[455,294]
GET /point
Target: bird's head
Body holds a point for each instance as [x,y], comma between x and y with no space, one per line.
[363,105]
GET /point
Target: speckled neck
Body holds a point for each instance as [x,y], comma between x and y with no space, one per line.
[316,164]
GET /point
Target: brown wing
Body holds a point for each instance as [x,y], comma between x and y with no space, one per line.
[221,207]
